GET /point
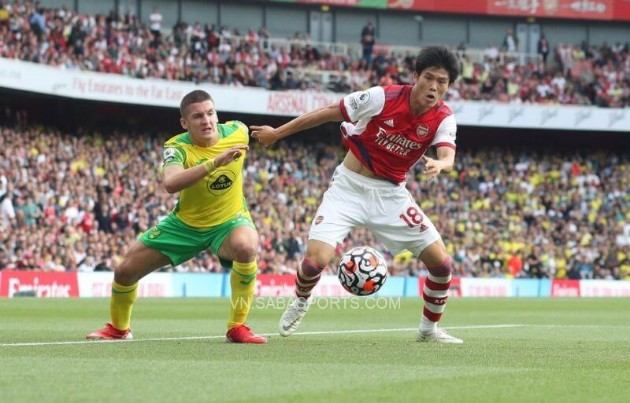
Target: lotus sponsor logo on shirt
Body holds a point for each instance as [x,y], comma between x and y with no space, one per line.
[222,183]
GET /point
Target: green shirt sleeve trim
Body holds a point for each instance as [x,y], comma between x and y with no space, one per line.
[228,128]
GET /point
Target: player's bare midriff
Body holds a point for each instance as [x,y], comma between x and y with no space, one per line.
[352,163]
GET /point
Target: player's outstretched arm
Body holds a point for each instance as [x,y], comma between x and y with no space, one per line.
[176,177]
[444,162]
[267,135]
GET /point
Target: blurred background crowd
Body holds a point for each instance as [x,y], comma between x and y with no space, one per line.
[76,202]
[569,73]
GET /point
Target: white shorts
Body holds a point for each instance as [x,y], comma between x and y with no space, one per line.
[386,209]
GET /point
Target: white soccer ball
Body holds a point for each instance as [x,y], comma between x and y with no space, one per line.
[362,270]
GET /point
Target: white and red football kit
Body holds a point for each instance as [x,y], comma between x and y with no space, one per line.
[384,134]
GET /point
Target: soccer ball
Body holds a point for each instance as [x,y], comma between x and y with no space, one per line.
[362,270]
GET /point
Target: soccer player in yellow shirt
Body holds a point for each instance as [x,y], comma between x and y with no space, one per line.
[204,165]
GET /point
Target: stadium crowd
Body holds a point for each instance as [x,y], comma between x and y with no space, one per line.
[583,74]
[73,202]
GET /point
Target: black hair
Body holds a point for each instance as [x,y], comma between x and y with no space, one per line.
[192,98]
[441,57]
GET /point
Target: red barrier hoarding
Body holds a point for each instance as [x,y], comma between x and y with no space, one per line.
[439,6]
[617,10]
[621,10]
[40,284]
[565,288]
[344,3]
[573,9]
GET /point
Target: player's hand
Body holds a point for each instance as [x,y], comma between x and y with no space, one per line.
[266,135]
[432,167]
[230,155]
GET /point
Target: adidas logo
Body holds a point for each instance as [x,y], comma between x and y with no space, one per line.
[389,122]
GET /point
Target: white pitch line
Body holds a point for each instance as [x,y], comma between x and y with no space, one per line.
[584,326]
[408,329]
[402,330]
[62,343]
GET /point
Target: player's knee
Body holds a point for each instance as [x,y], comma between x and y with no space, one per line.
[311,267]
[314,262]
[244,251]
[311,264]
[320,254]
[124,274]
[443,269]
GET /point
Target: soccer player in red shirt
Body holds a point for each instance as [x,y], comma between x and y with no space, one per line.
[387,130]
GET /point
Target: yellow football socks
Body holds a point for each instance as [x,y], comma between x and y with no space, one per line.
[243,283]
[123,297]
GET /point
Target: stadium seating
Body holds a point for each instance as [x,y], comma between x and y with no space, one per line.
[576,75]
[545,214]
[74,203]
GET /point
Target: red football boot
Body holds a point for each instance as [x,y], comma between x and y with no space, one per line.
[243,334]
[109,332]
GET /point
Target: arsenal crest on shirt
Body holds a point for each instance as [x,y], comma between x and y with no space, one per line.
[422,130]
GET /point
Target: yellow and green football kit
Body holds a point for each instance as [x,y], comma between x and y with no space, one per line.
[210,209]
[204,216]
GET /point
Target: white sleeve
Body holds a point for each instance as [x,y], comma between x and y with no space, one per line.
[363,104]
[446,132]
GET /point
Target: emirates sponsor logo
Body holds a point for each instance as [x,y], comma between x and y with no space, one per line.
[562,290]
[396,143]
[40,290]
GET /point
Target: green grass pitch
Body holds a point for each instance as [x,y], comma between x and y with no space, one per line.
[515,350]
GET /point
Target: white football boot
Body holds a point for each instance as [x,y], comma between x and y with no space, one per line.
[292,317]
[437,336]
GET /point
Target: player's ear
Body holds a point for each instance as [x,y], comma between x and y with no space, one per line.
[184,123]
